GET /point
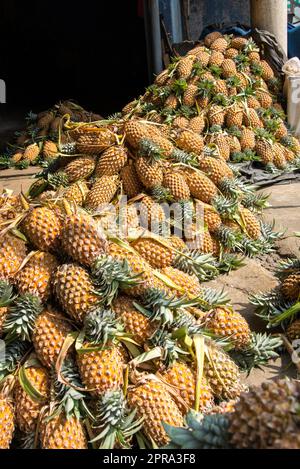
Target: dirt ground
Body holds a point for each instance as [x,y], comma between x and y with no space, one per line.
[256,276]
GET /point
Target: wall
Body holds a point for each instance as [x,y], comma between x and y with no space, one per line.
[205,12]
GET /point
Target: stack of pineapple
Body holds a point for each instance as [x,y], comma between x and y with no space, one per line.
[101,345]
[44,134]
[224,94]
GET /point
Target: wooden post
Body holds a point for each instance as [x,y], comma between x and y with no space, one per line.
[271,15]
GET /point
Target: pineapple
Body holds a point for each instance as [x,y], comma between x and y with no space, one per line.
[185,66]
[228,68]
[50,149]
[220,45]
[31,152]
[18,156]
[189,282]
[201,186]
[82,239]
[216,59]
[74,291]
[48,335]
[290,287]
[183,378]
[222,143]
[59,432]
[234,116]
[216,115]
[157,254]
[224,322]
[7,421]
[199,240]
[180,122]
[102,192]
[281,131]
[222,373]
[279,156]
[80,168]
[203,57]
[29,406]
[76,192]
[251,223]
[197,124]
[149,172]
[12,253]
[190,142]
[94,143]
[130,181]
[161,78]
[267,72]
[247,139]
[264,98]
[239,42]
[220,87]
[211,37]
[100,359]
[231,53]
[264,149]
[43,228]
[135,323]
[251,119]
[216,169]
[189,96]
[293,331]
[211,217]
[153,402]
[177,185]
[35,277]
[152,215]
[111,161]
[171,102]
[253,103]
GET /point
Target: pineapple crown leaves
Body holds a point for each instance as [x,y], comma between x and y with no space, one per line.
[115,421]
[262,348]
[68,394]
[255,201]
[215,70]
[246,155]
[186,111]
[205,88]
[158,306]
[110,274]
[14,353]
[213,298]
[251,46]
[271,306]
[221,100]
[232,82]
[268,235]
[162,194]
[256,69]
[288,266]
[150,150]
[58,179]
[22,315]
[195,262]
[228,237]
[234,187]
[169,346]
[241,61]
[185,321]
[189,159]
[225,206]
[179,86]
[253,247]
[6,294]
[208,432]
[229,262]
[101,326]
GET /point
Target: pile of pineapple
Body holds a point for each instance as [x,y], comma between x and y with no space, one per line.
[43,135]
[109,332]
[227,95]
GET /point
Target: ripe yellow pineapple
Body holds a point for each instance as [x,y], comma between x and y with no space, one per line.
[35,277]
[102,192]
[7,421]
[197,124]
[231,53]
[111,161]
[290,287]
[185,66]
[220,87]
[267,71]
[247,139]
[50,149]
[201,186]
[220,44]
[31,152]
[216,115]
[253,103]
[199,239]
[189,96]
[76,192]
[43,228]
[228,68]
[93,143]
[279,156]
[50,331]
[215,169]
[17,156]
[183,378]
[251,119]
[239,42]
[157,254]
[251,223]
[171,102]
[190,141]
[211,37]
[211,217]
[189,282]
[222,143]
[151,213]
[293,330]
[180,122]
[234,116]
[59,432]
[225,322]
[149,172]
[161,78]
[153,402]
[177,185]
[264,149]
[12,253]
[74,291]
[80,168]
[264,98]
[130,181]
[134,322]
[28,408]
[216,58]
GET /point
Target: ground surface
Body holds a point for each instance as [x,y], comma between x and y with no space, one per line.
[256,276]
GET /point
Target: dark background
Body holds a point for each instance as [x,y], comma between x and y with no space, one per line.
[93,52]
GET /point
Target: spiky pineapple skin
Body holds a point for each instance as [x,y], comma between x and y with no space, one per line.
[61,433]
[48,336]
[101,370]
[111,161]
[92,143]
[76,192]
[7,422]
[102,192]
[251,222]
[149,173]
[74,290]
[28,409]
[154,403]
[82,238]
[177,185]
[293,330]
[290,286]
[201,187]
[130,181]
[135,323]
[189,282]
[224,322]
[43,228]
[190,142]
[158,255]
[215,169]
[36,276]
[12,253]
